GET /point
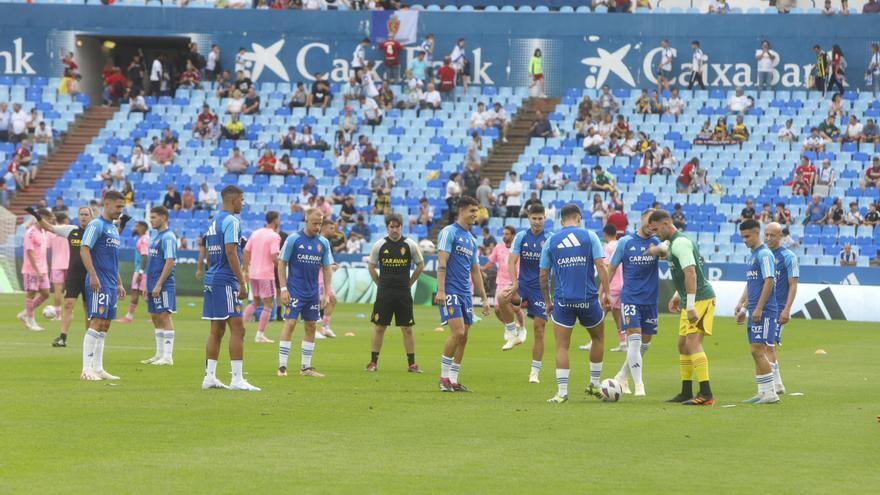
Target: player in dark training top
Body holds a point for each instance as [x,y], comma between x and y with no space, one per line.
[394,255]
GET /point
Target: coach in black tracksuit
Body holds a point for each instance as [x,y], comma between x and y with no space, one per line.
[393,255]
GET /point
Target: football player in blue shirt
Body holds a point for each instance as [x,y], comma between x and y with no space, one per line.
[787,274]
[100,257]
[526,251]
[638,254]
[304,255]
[161,298]
[759,297]
[224,289]
[457,264]
[572,254]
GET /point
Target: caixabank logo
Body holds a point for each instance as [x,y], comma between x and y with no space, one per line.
[15,60]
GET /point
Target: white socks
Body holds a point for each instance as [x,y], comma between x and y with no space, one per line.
[90,344]
[765,384]
[510,328]
[308,348]
[237,370]
[211,368]
[536,366]
[625,369]
[283,352]
[454,369]
[445,364]
[168,345]
[634,356]
[777,377]
[562,382]
[160,343]
[595,373]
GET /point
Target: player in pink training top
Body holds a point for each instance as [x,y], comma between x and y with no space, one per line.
[328,228]
[35,270]
[60,247]
[610,237]
[139,277]
[260,258]
[498,257]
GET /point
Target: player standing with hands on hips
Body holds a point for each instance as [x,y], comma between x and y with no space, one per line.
[393,255]
[457,264]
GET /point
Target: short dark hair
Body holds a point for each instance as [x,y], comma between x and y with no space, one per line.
[510,228]
[536,210]
[160,210]
[392,218]
[658,215]
[60,216]
[467,202]
[609,230]
[113,196]
[143,224]
[45,214]
[750,224]
[271,216]
[230,192]
[570,210]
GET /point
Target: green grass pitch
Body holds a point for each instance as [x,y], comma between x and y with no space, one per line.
[155,431]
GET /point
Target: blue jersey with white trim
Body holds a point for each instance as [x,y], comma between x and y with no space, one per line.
[571,254]
[641,276]
[102,237]
[462,249]
[528,245]
[762,265]
[787,267]
[224,229]
[163,247]
[305,256]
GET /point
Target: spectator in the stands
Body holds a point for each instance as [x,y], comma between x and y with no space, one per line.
[584,108]
[828,130]
[187,199]
[341,191]
[614,201]
[720,131]
[816,212]
[207,198]
[872,175]
[43,134]
[643,104]
[347,162]
[351,90]
[115,172]
[557,179]
[766,59]
[533,200]
[299,98]
[701,183]
[140,163]
[853,131]
[825,175]
[307,141]
[475,146]
[114,87]
[430,98]
[382,204]
[18,120]
[618,219]
[190,78]
[835,106]
[719,7]
[847,256]
[266,163]
[59,206]
[853,216]
[321,95]
[4,122]
[346,212]
[800,186]
[787,134]
[686,176]
[599,210]
[348,123]
[593,142]
[739,132]
[607,102]
[251,102]
[137,103]
[242,83]
[808,171]
[489,241]
[814,142]
[674,104]
[287,141]
[538,182]
[655,105]
[224,85]
[497,118]
[387,98]
[678,217]
[419,66]
[513,193]
[236,163]
[871,7]
[369,157]
[425,215]
[304,200]
[362,229]
[765,216]
[747,213]
[233,129]
[313,187]
[782,215]
[835,213]
[371,112]
[870,133]
[486,198]
[205,117]
[236,103]
[621,128]
[648,164]
[172,200]
[668,163]
[872,218]
[541,127]
[446,75]
[705,133]
[470,179]
[479,117]
[584,180]
[738,102]
[378,182]
[602,180]
[169,137]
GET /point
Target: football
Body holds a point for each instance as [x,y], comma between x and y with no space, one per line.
[609,389]
[49,313]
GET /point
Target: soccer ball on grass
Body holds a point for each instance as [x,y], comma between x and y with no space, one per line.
[610,390]
[49,313]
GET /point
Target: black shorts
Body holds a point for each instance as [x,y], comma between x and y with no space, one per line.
[75,284]
[395,303]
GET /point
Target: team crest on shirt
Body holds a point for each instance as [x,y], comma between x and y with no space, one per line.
[402,250]
[542,244]
[318,247]
[627,320]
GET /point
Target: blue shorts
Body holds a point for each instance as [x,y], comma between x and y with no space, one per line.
[588,313]
[165,303]
[779,327]
[221,302]
[457,306]
[302,309]
[101,304]
[763,332]
[642,316]
[535,307]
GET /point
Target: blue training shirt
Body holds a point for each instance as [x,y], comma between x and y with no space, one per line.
[305,256]
[102,237]
[641,276]
[528,246]
[224,229]
[571,254]
[162,248]
[786,267]
[762,265]
[462,249]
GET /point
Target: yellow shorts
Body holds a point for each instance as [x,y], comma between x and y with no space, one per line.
[705,319]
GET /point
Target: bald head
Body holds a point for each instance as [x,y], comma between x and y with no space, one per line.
[773,235]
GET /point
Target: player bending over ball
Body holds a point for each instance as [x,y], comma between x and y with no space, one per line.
[304,256]
[457,264]
[787,274]
[161,298]
[393,255]
[571,255]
